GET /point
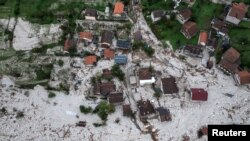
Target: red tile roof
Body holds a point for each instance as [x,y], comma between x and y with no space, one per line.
[67,45]
[231,55]
[190,28]
[86,36]
[90,60]
[244,77]
[203,37]
[199,94]
[119,7]
[108,53]
[238,10]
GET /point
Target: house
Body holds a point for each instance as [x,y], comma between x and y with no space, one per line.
[242,77]
[90,14]
[107,38]
[157,15]
[230,61]
[90,60]
[199,94]
[104,89]
[220,27]
[132,80]
[127,111]
[193,50]
[68,44]
[146,108]
[211,44]
[184,15]
[145,76]
[106,73]
[203,38]
[163,114]
[108,53]
[168,85]
[123,44]
[189,29]
[119,9]
[137,36]
[121,59]
[236,13]
[115,98]
[86,37]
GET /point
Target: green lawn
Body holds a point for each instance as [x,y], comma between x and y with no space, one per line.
[241,42]
[203,12]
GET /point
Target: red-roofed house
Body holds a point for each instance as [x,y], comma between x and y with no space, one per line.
[203,37]
[90,60]
[199,94]
[236,13]
[109,53]
[189,29]
[242,77]
[119,9]
[86,37]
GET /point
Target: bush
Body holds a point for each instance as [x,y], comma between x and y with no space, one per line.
[60,63]
[3,110]
[27,93]
[117,72]
[85,110]
[51,95]
[103,109]
[19,114]
[149,51]
[99,124]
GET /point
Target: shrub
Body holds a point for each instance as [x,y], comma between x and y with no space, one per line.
[27,93]
[3,110]
[60,63]
[103,109]
[85,110]
[149,51]
[51,95]
[19,114]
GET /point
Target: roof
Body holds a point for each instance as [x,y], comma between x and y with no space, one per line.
[124,44]
[86,35]
[137,35]
[145,107]
[109,53]
[238,10]
[193,49]
[169,85]
[219,25]
[231,55]
[244,77]
[120,59]
[203,37]
[190,28]
[232,67]
[90,12]
[115,98]
[106,73]
[107,37]
[144,74]
[90,60]
[119,7]
[164,113]
[127,111]
[104,88]
[67,45]
[158,13]
[199,94]
[185,13]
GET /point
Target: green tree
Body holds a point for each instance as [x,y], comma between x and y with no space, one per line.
[103,109]
[117,72]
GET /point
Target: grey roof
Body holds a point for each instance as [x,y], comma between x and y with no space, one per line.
[91,12]
[124,44]
[158,13]
[107,37]
[162,111]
